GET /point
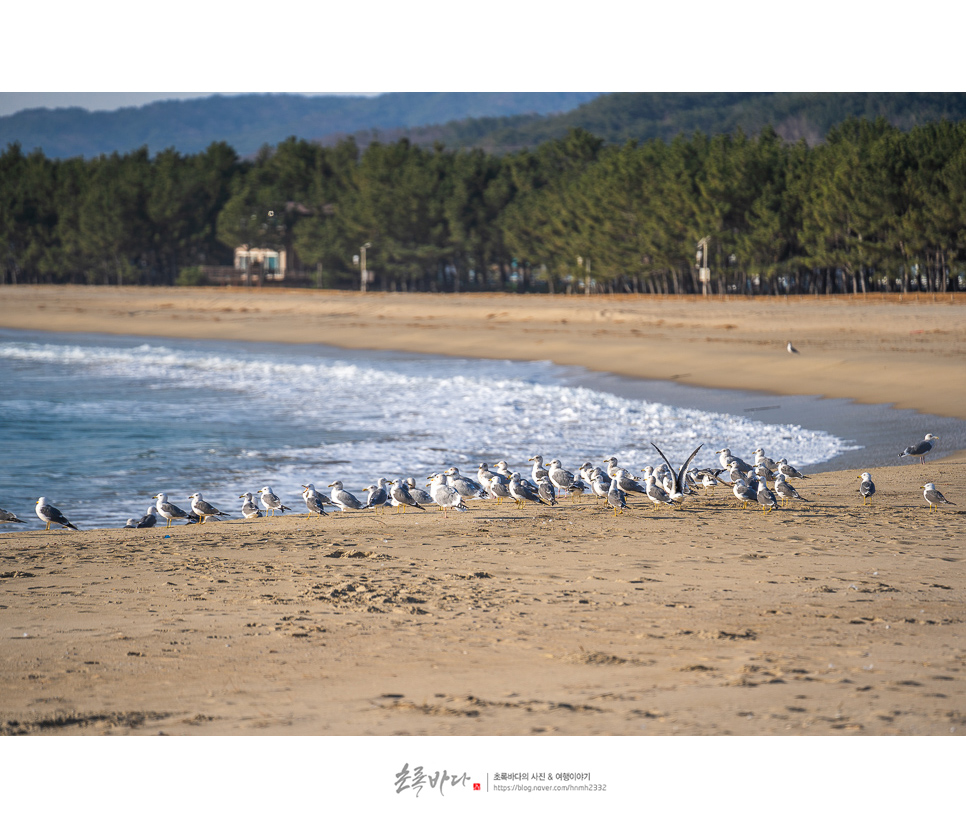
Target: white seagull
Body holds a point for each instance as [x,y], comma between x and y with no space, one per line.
[934,497]
[920,449]
[51,515]
[168,510]
[202,508]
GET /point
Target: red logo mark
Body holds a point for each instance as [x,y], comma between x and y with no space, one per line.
[476,786]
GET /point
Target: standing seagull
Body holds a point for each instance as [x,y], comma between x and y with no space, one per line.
[786,490]
[791,348]
[560,477]
[789,471]
[169,510]
[202,508]
[766,498]
[743,492]
[249,508]
[546,492]
[447,497]
[401,497]
[419,495]
[51,515]
[920,449]
[270,501]
[10,518]
[314,502]
[934,496]
[342,499]
[499,488]
[378,494]
[616,498]
[655,493]
[521,492]
[866,488]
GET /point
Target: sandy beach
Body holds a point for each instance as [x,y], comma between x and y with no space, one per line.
[822,618]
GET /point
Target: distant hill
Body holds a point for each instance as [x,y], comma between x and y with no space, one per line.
[248,121]
[495,122]
[618,117]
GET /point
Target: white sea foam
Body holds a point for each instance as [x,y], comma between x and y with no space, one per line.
[384,415]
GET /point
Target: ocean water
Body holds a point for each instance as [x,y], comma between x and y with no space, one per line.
[98,424]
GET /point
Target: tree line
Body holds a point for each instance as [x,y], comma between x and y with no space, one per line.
[870,209]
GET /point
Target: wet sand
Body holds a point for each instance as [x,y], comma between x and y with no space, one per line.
[824,618]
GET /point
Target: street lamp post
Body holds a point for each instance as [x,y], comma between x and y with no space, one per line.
[364,275]
[580,262]
[701,259]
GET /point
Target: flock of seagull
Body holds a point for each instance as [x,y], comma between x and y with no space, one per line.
[764,483]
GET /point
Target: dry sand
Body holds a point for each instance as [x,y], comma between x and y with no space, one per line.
[826,618]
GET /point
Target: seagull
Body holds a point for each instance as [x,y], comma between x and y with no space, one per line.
[378,494]
[789,471]
[625,483]
[401,497]
[679,481]
[791,348]
[538,472]
[866,488]
[132,524]
[168,510]
[725,458]
[498,488]
[485,476]
[249,508]
[616,498]
[577,489]
[766,498]
[920,449]
[466,487]
[762,460]
[708,478]
[743,492]
[51,515]
[655,493]
[521,492]
[786,490]
[202,508]
[314,501]
[149,519]
[595,473]
[764,473]
[546,492]
[934,496]
[10,518]
[560,477]
[599,483]
[270,501]
[611,466]
[419,495]
[344,500]
[444,495]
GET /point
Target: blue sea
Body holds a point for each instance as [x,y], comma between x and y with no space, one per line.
[99,424]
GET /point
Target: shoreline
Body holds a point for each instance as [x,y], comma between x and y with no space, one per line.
[909,354]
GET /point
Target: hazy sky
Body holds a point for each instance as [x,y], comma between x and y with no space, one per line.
[14,102]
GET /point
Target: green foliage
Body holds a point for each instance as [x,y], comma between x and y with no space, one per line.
[190,276]
[872,208]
